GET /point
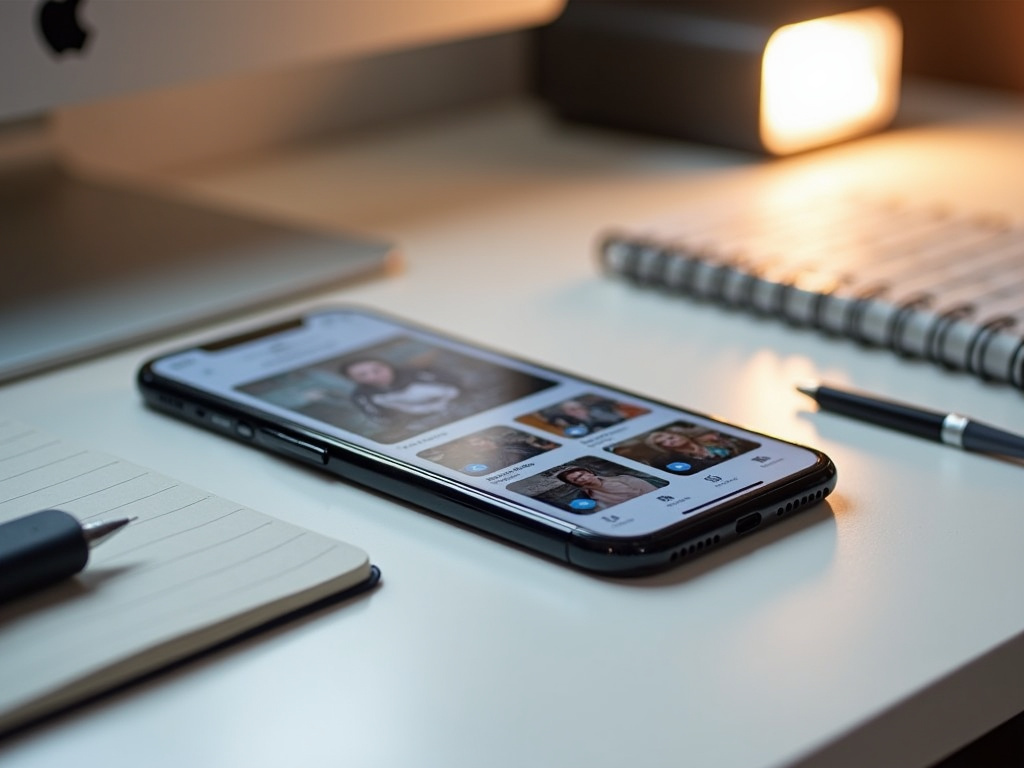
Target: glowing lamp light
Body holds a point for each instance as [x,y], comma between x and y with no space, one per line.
[828,79]
[774,76]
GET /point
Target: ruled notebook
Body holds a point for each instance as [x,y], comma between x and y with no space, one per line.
[921,281]
[193,570]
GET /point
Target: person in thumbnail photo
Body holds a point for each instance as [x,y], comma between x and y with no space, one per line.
[707,445]
[579,416]
[682,447]
[396,389]
[606,490]
[587,484]
[384,391]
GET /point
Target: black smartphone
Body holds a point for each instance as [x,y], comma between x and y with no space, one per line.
[600,478]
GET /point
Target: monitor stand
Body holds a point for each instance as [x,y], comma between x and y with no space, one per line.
[92,267]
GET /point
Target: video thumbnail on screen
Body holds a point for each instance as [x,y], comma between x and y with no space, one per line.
[488,450]
[580,416]
[392,391]
[682,448]
[587,485]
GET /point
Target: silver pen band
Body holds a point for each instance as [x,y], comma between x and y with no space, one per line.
[953,427]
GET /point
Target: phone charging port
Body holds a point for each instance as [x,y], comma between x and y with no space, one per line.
[748,523]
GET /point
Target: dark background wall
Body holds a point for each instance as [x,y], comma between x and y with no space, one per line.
[973,41]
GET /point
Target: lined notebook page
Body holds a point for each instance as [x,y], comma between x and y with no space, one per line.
[192,570]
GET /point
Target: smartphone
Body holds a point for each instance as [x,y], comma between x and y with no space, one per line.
[588,474]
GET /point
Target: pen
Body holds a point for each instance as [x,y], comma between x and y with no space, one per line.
[46,547]
[949,428]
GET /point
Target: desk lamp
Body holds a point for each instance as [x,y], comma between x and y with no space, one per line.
[773,77]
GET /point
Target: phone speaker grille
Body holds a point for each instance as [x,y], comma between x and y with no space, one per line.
[704,544]
[697,546]
[810,498]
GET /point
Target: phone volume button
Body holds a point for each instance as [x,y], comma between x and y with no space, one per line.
[295,447]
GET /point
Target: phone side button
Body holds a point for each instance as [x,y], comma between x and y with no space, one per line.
[295,447]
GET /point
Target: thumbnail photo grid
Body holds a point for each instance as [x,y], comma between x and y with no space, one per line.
[392,391]
[498,447]
[396,390]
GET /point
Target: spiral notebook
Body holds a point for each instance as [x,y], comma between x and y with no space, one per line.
[923,281]
[192,571]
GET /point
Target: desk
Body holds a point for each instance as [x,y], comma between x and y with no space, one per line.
[884,628]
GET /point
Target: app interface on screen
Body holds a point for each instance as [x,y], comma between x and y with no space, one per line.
[578,452]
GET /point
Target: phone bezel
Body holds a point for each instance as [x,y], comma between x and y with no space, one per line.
[492,514]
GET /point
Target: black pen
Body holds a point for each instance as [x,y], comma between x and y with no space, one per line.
[949,428]
[46,547]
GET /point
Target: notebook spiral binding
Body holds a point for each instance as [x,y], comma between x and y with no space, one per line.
[918,281]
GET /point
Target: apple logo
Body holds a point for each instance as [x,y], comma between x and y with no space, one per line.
[60,26]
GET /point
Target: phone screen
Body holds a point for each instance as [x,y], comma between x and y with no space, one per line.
[564,447]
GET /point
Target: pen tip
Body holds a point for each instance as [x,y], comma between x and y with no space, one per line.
[98,532]
[808,389]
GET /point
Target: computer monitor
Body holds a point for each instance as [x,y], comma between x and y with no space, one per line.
[92,265]
[56,52]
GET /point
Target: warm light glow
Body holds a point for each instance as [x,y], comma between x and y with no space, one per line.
[828,79]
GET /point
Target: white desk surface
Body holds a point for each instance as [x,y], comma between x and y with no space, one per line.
[884,628]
